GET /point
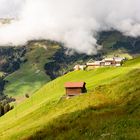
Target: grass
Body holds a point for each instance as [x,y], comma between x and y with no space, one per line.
[110,109]
[134,62]
[1,74]
[31,76]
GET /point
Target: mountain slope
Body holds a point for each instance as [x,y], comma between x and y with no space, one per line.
[34,62]
[31,75]
[115,43]
[2,83]
[107,111]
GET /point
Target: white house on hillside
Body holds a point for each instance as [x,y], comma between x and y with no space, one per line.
[118,61]
[91,64]
[79,67]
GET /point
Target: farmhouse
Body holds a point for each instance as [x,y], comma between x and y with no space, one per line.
[118,61]
[91,64]
[94,64]
[109,61]
[75,88]
[79,67]
[115,61]
[102,63]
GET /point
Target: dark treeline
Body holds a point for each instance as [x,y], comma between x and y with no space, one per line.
[5,104]
[4,99]
[11,58]
[10,61]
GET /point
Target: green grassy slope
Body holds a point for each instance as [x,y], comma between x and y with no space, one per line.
[31,76]
[110,109]
[1,74]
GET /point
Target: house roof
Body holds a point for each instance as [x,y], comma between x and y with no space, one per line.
[95,63]
[74,84]
[109,59]
[118,59]
[76,66]
[91,61]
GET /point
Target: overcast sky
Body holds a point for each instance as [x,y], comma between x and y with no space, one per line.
[76,23]
[10,8]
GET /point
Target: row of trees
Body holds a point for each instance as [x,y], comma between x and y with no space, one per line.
[11,58]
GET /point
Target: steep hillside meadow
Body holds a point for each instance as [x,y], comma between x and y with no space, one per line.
[109,110]
[31,74]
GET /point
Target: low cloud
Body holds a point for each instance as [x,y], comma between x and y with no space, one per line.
[76,23]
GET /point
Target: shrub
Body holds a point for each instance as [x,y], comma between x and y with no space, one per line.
[27,95]
[6,108]
[1,110]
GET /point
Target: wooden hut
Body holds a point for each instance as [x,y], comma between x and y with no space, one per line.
[75,88]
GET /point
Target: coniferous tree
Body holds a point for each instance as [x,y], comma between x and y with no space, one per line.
[1,110]
[6,108]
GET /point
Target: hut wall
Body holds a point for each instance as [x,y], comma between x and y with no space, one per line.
[73,91]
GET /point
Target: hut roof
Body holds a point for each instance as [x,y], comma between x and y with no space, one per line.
[74,84]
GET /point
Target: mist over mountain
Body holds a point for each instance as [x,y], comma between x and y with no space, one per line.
[75,23]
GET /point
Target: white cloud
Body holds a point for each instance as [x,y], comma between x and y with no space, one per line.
[10,8]
[76,23]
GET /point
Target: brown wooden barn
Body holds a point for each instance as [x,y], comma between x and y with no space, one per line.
[75,88]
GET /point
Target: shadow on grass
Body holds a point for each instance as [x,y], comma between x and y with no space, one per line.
[101,122]
[108,121]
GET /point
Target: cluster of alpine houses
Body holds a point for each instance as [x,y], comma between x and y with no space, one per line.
[91,64]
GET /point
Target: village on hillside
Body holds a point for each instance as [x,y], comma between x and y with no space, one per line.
[91,64]
[78,88]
